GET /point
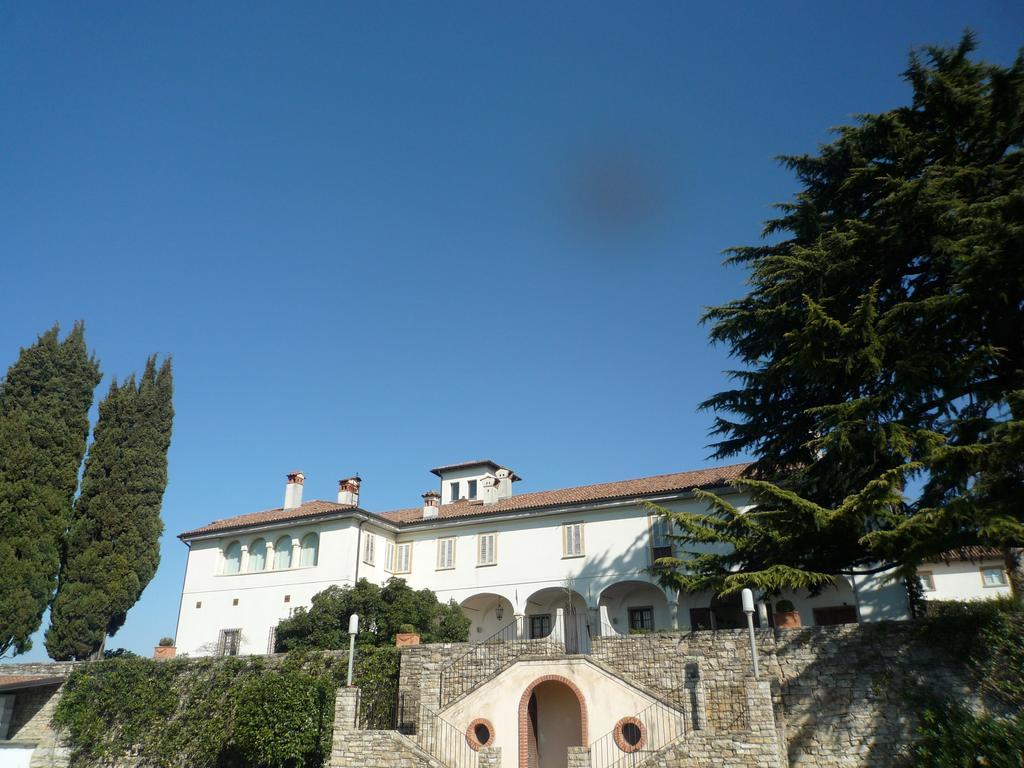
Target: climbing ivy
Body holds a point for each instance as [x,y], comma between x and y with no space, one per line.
[207,713]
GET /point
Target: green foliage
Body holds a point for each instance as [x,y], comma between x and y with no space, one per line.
[113,545]
[988,636]
[383,612]
[44,422]
[952,736]
[166,642]
[223,713]
[881,340]
[784,606]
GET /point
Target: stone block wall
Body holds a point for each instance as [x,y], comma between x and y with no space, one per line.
[839,693]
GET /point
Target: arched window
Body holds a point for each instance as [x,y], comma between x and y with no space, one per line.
[308,553]
[283,553]
[258,555]
[233,557]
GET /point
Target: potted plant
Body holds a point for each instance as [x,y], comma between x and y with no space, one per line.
[165,649]
[407,635]
[786,615]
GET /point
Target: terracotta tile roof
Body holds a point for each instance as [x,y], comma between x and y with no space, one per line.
[623,489]
[644,486]
[27,681]
[309,509]
[972,554]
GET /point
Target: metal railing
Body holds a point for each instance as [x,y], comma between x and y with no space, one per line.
[484,659]
[431,732]
[636,739]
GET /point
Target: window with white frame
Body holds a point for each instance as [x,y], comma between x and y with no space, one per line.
[283,553]
[572,540]
[403,557]
[258,555]
[661,527]
[369,549]
[389,556]
[471,489]
[993,576]
[232,557]
[486,549]
[445,553]
[308,549]
[455,491]
[927,579]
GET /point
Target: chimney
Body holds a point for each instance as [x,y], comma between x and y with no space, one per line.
[348,491]
[293,491]
[489,489]
[431,503]
[503,484]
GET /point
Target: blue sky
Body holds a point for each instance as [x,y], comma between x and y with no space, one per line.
[381,237]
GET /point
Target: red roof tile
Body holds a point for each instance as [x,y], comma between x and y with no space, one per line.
[622,489]
[309,509]
[972,554]
[644,486]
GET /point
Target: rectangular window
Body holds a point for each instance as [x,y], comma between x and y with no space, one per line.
[661,544]
[471,489]
[993,577]
[272,640]
[389,556]
[572,540]
[641,619]
[445,554]
[369,549]
[486,549]
[540,626]
[455,491]
[927,581]
[403,555]
[230,640]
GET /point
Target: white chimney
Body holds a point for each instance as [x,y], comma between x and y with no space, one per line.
[431,504]
[489,489]
[504,484]
[293,490]
[348,491]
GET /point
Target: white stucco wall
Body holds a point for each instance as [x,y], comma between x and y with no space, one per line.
[607,700]
[962,580]
[529,576]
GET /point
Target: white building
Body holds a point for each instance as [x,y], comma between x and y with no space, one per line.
[576,555]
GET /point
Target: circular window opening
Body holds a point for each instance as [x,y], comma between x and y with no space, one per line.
[480,733]
[630,734]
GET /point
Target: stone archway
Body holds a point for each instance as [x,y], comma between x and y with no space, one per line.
[552,718]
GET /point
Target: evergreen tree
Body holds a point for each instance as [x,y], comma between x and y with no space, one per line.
[882,340]
[113,544]
[44,423]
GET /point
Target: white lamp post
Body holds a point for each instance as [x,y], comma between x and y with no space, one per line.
[353,630]
[748,608]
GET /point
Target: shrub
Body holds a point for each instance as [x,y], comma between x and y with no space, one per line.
[952,736]
[784,606]
[210,713]
[166,642]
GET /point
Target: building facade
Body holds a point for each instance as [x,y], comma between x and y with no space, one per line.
[574,562]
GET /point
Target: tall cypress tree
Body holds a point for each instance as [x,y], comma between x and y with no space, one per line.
[44,423]
[113,545]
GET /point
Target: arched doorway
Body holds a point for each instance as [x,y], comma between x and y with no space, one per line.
[552,718]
